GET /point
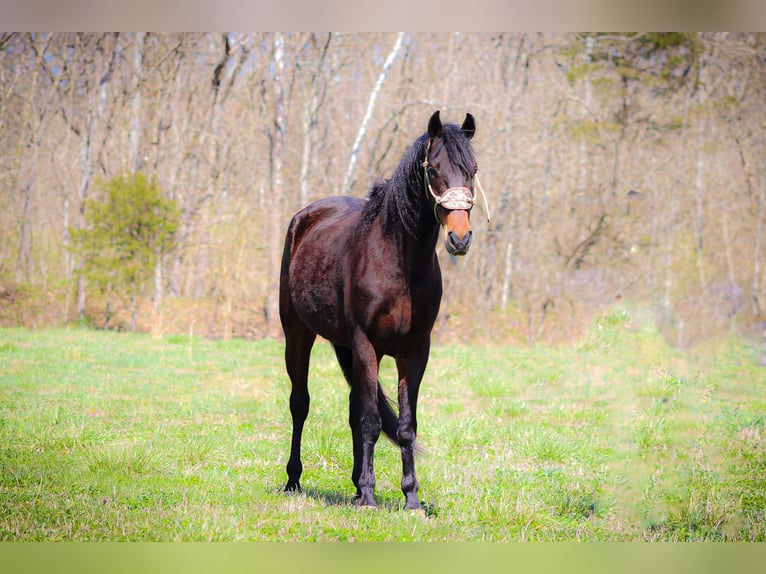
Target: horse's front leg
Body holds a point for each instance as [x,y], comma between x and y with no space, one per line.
[410,371]
[364,418]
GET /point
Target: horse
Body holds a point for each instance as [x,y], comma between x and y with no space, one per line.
[364,274]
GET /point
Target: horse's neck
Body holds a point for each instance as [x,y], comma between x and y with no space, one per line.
[419,250]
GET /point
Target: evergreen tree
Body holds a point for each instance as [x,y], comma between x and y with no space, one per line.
[129,226]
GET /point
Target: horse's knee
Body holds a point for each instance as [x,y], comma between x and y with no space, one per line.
[405,435]
[406,432]
[299,404]
[371,424]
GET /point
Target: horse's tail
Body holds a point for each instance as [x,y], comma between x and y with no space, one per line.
[389,420]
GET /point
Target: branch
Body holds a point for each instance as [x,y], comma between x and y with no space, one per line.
[368,114]
[581,251]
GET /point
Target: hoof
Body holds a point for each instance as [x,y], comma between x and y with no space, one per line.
[293,488]
[361,502]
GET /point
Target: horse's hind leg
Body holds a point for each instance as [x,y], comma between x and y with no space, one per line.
[298,342]
[346,361]
[364,417]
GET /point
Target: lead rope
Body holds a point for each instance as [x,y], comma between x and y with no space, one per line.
[483,195]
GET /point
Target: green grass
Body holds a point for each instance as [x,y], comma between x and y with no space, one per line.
[107,436]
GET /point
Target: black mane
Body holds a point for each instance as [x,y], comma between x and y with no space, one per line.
[401,199]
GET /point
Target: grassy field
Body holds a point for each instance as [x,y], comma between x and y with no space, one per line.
[108,436]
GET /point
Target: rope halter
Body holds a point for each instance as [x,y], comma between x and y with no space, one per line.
[454,197]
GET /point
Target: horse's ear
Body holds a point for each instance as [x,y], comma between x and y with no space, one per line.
[434,126]
[469,126]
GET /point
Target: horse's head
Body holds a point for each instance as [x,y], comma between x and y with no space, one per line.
[450,173]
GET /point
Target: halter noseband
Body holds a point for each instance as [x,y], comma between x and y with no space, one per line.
[454,197]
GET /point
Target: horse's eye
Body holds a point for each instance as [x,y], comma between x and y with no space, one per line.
[432,172]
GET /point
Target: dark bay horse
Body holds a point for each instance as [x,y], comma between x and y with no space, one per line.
[365,276]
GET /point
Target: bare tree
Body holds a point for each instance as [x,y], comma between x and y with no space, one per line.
[314,90]
[617,164]
[348,179]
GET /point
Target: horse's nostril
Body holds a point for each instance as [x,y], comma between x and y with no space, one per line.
[457,240]
[460,246]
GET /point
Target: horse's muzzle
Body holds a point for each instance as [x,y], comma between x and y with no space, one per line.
[458,245]
[457,231]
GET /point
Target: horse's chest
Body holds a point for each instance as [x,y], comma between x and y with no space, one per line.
[394,306]
[402,320]
[396,318]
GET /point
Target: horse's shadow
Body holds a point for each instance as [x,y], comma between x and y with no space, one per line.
[329,497]
[338,499]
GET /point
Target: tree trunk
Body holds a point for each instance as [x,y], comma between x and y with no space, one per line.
[82,195]
[135,106]
[582,148]
[312,101]
[275,232]
[23,256]
[699,178]
[17,174]
[133,309]
[755,290]
[158,289]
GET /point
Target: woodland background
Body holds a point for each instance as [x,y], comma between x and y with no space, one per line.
[619,168]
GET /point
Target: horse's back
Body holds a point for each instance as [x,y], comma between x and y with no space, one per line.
[329,217]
